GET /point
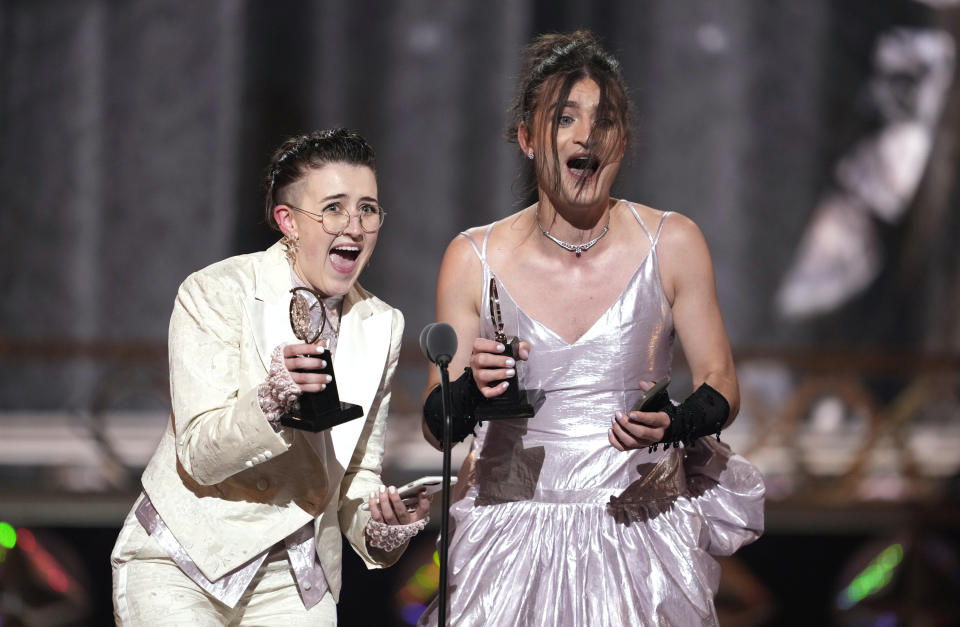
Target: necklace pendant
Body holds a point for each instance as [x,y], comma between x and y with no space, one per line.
[574,248]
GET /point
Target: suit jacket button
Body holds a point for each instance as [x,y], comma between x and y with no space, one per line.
[262,484]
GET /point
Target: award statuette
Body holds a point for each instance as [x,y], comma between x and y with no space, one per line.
[512,403]
[318,410]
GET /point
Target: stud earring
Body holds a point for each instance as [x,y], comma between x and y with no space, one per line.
[530,155]
[291,246]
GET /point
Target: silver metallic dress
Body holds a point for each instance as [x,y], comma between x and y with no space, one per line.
[560,528]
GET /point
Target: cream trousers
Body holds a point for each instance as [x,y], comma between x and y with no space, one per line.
[150,589]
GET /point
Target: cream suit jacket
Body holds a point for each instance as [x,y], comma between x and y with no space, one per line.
[228,486]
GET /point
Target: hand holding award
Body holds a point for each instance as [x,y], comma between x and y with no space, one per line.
[324,409]
[513,402]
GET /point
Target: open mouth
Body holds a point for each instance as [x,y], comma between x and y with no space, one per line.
[343,258]
[346,252]
[583,165]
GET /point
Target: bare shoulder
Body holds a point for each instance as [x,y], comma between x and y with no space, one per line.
[683,253]
[677,231]
[502,237]
[460,260]
[476,233]
[461,252]
[681,237]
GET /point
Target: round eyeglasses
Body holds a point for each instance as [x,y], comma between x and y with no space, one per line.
[335,220]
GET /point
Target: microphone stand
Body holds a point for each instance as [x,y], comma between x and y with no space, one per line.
[442,364]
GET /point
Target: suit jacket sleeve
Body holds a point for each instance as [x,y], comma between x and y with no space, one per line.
[362,476]
[219,426]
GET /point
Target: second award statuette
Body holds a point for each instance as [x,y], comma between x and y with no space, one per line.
[513,402]
[318,410]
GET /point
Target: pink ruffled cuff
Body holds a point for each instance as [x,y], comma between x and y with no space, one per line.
[279,394]
[389,537]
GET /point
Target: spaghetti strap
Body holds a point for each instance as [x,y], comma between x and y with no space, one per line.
[472,243]
[663,218]
[639,221]
[486,238]
[481,252]
[653,238]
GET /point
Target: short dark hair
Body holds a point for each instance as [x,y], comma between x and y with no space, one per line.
[297,155]
[552,64]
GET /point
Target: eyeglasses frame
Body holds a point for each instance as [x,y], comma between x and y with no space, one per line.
[350,216]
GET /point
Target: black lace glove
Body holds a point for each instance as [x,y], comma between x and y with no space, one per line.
[703,413]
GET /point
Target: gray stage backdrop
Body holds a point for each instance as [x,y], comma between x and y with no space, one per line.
[133,135]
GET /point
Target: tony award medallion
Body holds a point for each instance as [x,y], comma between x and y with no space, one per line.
[318,410]
[513,403]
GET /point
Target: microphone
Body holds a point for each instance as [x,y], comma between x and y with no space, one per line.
[438,341]
[423,341]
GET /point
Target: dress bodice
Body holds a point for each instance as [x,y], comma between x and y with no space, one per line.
[557,527]
[562,452]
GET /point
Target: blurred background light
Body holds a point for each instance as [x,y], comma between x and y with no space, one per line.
[8,535]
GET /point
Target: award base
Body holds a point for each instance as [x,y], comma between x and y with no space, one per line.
[511,404]
[318,414]
[503,409]
[321,410]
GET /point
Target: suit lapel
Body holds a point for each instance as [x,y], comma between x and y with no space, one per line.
[269,311]
[361,347]
[358,365]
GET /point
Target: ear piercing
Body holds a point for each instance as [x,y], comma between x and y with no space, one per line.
[530,155]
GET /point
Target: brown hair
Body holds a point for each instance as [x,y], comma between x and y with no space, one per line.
[552,64]
[298,154]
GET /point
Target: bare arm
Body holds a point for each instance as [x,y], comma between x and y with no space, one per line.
[458,304]
[688,278]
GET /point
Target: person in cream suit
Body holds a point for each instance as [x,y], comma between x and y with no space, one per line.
[240,518]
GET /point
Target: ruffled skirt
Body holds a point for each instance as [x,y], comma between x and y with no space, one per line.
[640,558]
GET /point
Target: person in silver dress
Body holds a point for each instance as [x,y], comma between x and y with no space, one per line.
[588,513]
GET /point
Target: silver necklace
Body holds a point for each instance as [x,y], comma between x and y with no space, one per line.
[574,248]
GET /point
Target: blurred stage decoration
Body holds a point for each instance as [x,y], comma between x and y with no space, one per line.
[827,429]
[418,584]
[41,580]
[848,428]
[905,579]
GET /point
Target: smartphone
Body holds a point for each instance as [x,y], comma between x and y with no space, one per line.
[408,493]
[655,397]
[433,484]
